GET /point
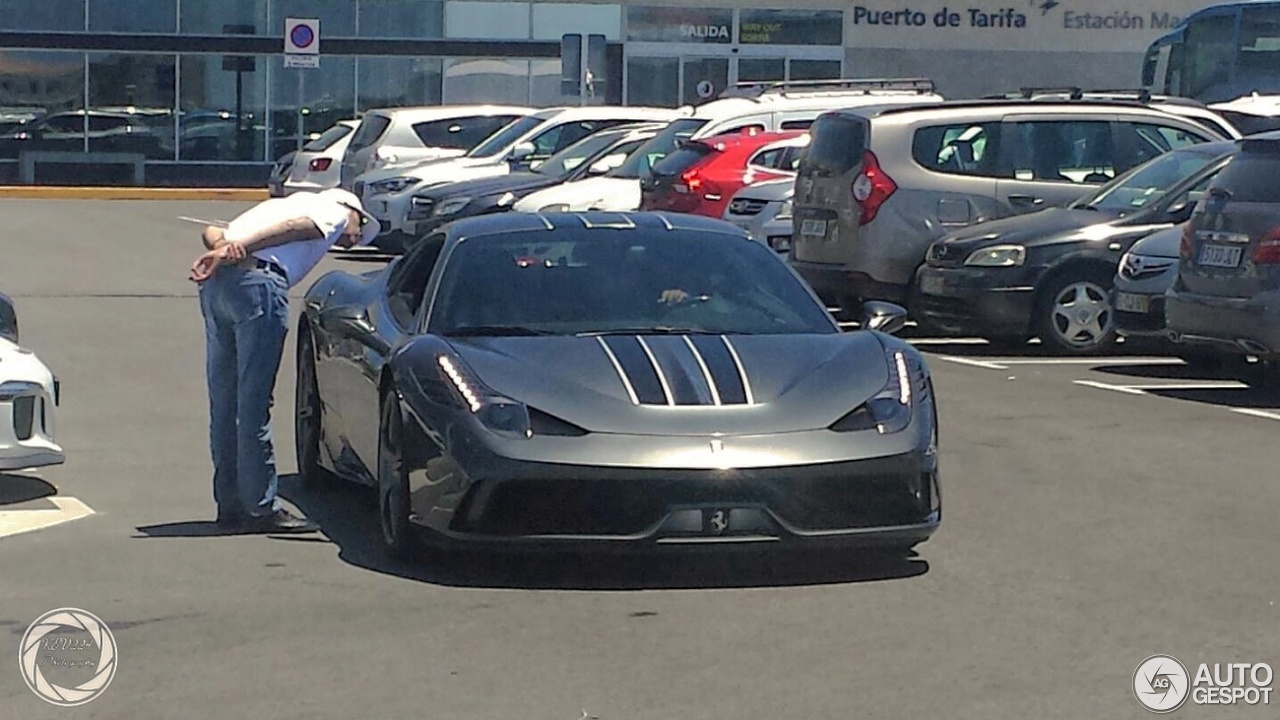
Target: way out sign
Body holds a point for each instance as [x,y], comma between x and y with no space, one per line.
[302,42]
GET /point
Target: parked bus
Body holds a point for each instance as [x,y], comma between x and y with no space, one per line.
[1219,54]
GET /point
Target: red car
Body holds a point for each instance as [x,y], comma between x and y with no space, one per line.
[702,175]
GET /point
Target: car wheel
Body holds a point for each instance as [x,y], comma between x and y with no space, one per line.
[393,482]
[1074,314]
[308,431]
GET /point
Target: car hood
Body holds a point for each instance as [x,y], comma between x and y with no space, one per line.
[796,382]
[515,182]
[606,193]
[1029,228]
[1160,244]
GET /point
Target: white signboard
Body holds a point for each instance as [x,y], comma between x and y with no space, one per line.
[302,42]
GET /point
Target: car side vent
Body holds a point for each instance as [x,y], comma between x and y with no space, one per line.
[544,424]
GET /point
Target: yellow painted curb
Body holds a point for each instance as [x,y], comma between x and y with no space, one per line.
[56,192]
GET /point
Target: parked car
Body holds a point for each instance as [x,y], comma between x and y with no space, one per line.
[1145,274]
[29,394]
[591,156]
[1184,107]
[527,141]
[1048,274]
[764,211]
[763,107]
[1227,293]
[877,186]
[318,165]
[516,379]
[403,136]
[279,173]
[701,176]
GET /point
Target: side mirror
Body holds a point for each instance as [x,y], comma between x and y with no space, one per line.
[1181,211]
[522,151]
[883,316]
[598,168]
[354,324]
[8,320]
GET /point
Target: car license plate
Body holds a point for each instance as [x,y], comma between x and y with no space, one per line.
[814,228]
[1224,256]
[932,284]
[1130,302]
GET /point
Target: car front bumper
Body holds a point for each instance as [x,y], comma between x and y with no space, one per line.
[982,301]
[1249,326]
[26,426]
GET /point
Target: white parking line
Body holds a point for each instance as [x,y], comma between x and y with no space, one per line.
[1144,389]
[1257,413]
[949,341]
[1105,386]
[975,363]
[1095,361]
[16,522]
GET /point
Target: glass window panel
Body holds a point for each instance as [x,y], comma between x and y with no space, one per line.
[486,80]
[418,19]
[815,70]
[552,20]
[209,18]
[761,69]
[791,27]
[307,101]
[43,15]
[679,24]
[653,81]
[131,104]
[487,20]
[211,101]
[337,17]
[41,102]
[704,78]
[398,81]
[546,85]
[152,16]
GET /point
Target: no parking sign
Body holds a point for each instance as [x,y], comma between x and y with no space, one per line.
[302,42]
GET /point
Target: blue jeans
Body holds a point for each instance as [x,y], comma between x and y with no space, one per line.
[246,319]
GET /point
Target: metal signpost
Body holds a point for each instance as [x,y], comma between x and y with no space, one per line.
[301,50]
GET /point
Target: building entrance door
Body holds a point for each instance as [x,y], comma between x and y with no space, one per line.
[667,77]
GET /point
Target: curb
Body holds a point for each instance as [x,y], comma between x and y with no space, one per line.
[50,192]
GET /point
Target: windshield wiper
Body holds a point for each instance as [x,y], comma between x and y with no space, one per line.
[647,330]
[494,331]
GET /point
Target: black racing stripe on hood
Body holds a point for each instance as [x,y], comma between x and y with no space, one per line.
[679,366]
[637,370]
[724,370]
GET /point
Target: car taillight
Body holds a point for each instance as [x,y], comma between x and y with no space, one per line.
[689,182]
[1184,244]
[319,164]
[1268,249]
[872,187]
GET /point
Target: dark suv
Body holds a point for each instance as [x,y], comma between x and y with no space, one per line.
[1227,294]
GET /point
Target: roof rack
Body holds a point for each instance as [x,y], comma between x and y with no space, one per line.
[789,88]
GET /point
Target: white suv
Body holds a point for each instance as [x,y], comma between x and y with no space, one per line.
[388,193]
[397,136]
[763,106]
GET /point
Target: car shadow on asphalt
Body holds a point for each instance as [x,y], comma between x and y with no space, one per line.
[347,515]
[16,488]
[1231,397]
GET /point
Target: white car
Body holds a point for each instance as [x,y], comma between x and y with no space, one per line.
[388,193]
[318,165]
[28,395]
[764,210]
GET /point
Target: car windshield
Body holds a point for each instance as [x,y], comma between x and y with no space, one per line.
[565,161]
[1147,183]
[602,281]
[327,138]
[503,139]
[662,145]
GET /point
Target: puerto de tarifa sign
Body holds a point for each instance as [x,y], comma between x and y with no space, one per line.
[1033,25]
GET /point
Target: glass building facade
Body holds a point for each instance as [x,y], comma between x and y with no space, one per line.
[199,88]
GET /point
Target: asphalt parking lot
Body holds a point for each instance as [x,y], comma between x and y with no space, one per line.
[1096,512]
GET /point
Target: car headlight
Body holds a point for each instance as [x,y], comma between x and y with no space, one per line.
[890,410]
[784,213]
[452,205]
[556,207]
[392,185]
[500,414]
[997,256]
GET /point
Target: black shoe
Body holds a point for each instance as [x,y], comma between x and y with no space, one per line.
[281,521]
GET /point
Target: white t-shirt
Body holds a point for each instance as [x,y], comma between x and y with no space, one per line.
[299,257]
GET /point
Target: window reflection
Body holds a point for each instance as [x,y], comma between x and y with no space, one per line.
[28,15]
[41,102]
[486,80]
[653,81]
[417,19]
[210,18]
[131,104]
[398,82]
[487,20]
[152,16]
[220,118]
[307,101]
[337,17]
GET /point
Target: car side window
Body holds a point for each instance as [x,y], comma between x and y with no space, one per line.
[1150,140]
[408,282]
[461,133]
[1064,151]
[772,158]
[560,137]
[797,124]
[958,149]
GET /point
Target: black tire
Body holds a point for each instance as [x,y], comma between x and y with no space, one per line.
[1073,313]
[393,483]
[308,418]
